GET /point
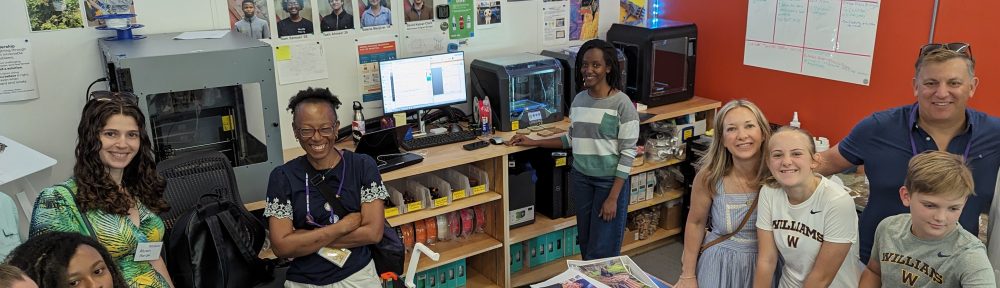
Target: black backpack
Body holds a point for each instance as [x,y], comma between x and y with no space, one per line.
[216,244]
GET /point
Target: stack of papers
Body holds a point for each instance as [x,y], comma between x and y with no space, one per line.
[619,271]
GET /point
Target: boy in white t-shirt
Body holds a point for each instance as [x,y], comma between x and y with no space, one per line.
[808,220]
[925,248]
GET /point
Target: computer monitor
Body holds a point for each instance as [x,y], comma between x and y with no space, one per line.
[422,82]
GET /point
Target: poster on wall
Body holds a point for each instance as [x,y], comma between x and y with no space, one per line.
[335,18]
[294,19]
[368,57]
[250,18]
[461,25]
[832,39]
[583,17]
[632,12]
[17,75]
[420,44]
[555,30]
[488,13]
[375,14]
[300,62]
[418,14]
[94,9]
[47,15]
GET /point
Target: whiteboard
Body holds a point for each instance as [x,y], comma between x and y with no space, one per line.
[832,39]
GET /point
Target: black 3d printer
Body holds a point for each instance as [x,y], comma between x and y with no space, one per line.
[524,89]
[661,60]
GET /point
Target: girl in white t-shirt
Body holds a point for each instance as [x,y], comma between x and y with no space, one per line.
[808,220]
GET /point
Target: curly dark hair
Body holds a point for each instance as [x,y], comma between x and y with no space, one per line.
[284,4]
[614,77]
[314,95]
[96,188]
[45,257]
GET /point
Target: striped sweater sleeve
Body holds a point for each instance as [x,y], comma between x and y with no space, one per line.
[628,135]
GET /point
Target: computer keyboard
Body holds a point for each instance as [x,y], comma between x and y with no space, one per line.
[437,139]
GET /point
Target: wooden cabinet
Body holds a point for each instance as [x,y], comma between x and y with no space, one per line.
[487,254]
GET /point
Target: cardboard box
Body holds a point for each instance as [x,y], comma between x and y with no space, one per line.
[572,243]
[536,255]
[650,184]
[674,214]
[554,246]
[642,187]
[446,276]
[431,280]
[633,189]
[516,257]
[460,273]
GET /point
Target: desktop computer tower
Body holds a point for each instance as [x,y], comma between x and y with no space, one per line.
[661,60]
[552,197]
[522,189]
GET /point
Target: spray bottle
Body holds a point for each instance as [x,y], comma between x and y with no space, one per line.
[358,124]
[795,120]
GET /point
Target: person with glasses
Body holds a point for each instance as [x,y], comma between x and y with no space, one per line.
[114,194]
[325,207]
[884,142]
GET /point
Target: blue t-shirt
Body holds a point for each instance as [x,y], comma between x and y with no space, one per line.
[885,141]
[286,197]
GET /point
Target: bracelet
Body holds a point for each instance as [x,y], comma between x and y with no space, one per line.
[689,277]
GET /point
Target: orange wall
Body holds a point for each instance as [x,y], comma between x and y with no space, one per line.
[830,108]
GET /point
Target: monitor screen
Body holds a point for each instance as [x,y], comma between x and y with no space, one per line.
[422,82]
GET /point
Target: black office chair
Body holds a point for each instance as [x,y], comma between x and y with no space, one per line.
[191,175]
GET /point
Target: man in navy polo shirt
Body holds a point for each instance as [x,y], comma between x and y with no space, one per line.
[885,141]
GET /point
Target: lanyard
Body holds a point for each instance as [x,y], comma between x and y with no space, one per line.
[913,143]
[309,217]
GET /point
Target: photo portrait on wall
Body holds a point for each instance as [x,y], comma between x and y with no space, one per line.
[335,16]
[374,13]
[250,18]
[294,18]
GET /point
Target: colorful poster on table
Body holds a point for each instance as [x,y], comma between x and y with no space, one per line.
[46,15]
[584,17]
[17,75]
[632,12]
[462,21]
[368,57]
[250,18]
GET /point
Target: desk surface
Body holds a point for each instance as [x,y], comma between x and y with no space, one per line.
[18,161]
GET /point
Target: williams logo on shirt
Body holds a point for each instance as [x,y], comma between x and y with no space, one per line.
[915,264]
[908,278]
[797,226]
[792,241]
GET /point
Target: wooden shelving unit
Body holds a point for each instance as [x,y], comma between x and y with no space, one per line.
[487,254]
[454,250]
[456,205]
[650,166]
[534,275]
[694,105]
[543,224]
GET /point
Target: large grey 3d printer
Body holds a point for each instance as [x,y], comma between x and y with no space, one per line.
[205,94]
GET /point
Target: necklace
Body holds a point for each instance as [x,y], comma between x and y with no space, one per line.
[322,177]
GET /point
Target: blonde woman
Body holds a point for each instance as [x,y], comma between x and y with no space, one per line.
[725,188]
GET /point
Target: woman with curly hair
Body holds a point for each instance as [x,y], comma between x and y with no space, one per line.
[115,193]
[61,259]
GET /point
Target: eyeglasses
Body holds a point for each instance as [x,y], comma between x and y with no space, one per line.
[105,96]
[959,47]
[309,132]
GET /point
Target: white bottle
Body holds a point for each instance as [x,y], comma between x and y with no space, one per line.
[795,120]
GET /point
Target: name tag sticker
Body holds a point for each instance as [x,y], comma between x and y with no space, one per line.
[148,251]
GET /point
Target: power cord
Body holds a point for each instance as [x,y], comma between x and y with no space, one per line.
[86,96]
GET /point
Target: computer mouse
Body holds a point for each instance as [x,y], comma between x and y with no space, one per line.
[496,140]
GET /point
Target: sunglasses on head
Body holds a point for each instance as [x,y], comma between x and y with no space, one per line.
[959,47]
[126,97]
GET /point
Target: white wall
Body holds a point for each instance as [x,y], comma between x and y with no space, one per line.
[67,61]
